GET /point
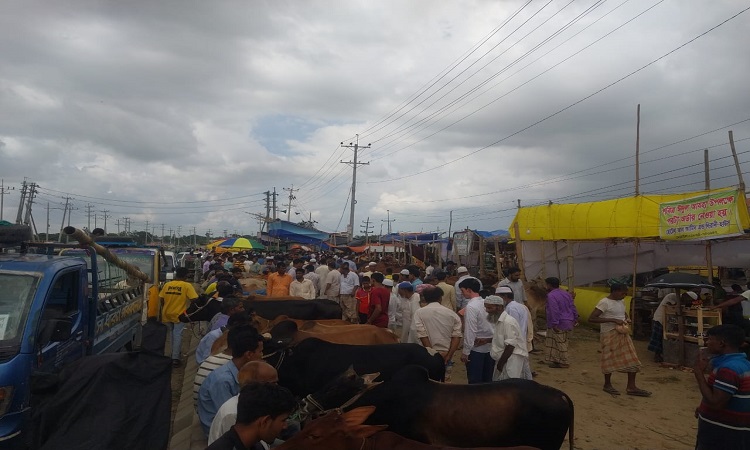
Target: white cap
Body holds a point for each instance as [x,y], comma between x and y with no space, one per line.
[313,260]
[388,282]
[462,269]
[503,290]
[494,300]
[692,295]
[404,272]
[372,263]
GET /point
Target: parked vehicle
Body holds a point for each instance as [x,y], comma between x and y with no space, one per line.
[57,309]
[170,264]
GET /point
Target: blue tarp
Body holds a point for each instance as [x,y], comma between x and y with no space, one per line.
[406,237]
[294,233]
[489,234]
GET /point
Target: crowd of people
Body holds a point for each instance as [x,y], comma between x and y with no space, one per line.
[492,328]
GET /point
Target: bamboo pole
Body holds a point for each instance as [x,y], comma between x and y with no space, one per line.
[482,248]
[571,268]
[638,151]
[706,172]
[544,259]
[736,162]
[519,251]
[635,273]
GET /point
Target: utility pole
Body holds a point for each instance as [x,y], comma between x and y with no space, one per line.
[162,233]
[89,207]
[366,227]
[19,216]
[389,220]
[71,208]
[195,238]
[62,225]
[3,190]
[274,203]
[354,165]
[106,216]
[268,209]
[291,197]
[31,192]
[146,237]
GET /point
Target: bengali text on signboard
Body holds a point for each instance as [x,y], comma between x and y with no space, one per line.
[707,216]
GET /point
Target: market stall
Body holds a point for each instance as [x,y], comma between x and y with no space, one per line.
[586,243]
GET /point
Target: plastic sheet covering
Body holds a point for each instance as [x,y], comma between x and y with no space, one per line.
[601,260]
[624,218]
[108,402]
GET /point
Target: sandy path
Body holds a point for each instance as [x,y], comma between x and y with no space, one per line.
[663,421]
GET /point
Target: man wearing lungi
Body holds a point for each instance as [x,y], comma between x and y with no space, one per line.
[618,352]
[562,316]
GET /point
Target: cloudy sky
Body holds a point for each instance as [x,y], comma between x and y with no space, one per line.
[183,113]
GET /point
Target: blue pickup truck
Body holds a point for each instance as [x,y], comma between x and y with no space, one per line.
[55,310]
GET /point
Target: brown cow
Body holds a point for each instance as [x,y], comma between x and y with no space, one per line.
[288,332]
[346,431]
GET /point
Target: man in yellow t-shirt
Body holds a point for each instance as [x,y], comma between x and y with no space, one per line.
[176,295]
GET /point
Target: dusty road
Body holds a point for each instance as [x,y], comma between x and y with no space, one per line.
[602,421]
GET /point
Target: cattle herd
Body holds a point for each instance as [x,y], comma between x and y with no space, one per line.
[329,363]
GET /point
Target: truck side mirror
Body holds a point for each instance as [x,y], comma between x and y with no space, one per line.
[56,330]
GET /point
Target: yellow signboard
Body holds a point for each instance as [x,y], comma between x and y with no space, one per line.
[706,216]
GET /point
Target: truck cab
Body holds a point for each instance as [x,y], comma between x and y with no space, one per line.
[55,310]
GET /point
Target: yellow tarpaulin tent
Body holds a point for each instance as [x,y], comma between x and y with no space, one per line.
[622,218]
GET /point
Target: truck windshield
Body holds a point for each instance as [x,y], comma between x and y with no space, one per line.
[16,293]
[112,277]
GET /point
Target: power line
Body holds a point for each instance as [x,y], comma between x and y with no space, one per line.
[567,107]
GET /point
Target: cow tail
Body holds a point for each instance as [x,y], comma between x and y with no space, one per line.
[571,439]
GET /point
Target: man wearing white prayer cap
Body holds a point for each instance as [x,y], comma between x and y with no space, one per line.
[508,343]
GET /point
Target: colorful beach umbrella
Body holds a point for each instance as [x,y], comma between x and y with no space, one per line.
[214,244]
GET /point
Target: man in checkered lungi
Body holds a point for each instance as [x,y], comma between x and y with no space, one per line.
[618,352]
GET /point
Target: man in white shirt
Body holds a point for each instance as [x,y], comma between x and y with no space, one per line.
[312,276]
[463,274]
[409,302]
[438,327]
[508,342]
[226,416]
[333,282]
[348,288]
[369,269]
[656,343]
[322,272]
[297,263]
[517,311]
[513,281]
[478,334]
[302,287]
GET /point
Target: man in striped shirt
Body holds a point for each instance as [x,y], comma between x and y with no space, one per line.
[724,412]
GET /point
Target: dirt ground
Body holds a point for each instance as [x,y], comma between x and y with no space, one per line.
[602,421]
